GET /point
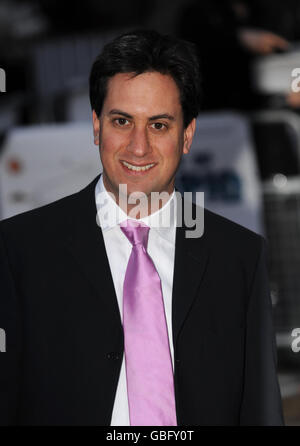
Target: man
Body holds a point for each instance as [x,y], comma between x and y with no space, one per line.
[124,320]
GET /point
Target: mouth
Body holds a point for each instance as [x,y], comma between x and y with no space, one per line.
[135,169]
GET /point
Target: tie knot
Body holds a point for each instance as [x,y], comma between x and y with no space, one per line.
[136,232]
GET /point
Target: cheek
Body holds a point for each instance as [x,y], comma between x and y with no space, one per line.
[165,143]
[170,150]
[110,144]
[172,157]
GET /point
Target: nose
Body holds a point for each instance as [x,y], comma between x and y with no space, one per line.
[139,144]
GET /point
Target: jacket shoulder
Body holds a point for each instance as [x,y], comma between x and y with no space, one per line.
[229,240]
[38,217]
[222,228]
[52,215]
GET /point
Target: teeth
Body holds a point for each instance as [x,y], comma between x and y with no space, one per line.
[131,167]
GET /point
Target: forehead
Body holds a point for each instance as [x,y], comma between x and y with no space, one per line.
[149,92]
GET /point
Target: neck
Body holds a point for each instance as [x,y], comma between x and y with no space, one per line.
[138,204]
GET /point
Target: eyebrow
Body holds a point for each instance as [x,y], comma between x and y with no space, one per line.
[151,118]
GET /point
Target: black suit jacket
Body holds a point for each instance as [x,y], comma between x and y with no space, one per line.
[64,337]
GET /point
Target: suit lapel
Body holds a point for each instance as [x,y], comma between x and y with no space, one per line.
[85,242]
[191,258]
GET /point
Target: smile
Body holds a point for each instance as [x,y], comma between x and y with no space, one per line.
[137,168]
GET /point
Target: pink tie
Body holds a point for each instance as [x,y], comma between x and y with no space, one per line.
[150,383]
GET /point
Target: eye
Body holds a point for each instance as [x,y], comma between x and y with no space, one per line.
[158,126]
[121,122]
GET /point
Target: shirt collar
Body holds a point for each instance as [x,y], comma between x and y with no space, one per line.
[110,215]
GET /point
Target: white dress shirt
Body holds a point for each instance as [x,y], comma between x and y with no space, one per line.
[161,249]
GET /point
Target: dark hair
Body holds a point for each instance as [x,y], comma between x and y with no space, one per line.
[143,51]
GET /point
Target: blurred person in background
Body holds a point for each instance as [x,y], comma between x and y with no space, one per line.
[228,34]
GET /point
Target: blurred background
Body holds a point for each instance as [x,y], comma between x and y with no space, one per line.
[246,152]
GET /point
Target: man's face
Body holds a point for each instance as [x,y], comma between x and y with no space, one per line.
[141,125]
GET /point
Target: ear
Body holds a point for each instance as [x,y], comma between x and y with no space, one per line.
[96,127]
[188,136]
